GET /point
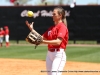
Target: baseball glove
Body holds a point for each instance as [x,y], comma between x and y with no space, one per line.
[33,37]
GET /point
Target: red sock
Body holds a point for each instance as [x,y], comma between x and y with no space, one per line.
[7,44]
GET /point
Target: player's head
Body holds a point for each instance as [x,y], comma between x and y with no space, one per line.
[1,28]
[6,27]
[59,14]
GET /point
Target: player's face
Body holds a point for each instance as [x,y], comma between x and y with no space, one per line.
[56,16]
[1,28]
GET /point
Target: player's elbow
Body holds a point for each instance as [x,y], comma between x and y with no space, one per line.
[59,40]
[58,43]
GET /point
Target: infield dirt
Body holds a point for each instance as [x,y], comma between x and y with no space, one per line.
[34,67]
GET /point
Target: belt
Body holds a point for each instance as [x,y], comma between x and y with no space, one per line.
[54,50]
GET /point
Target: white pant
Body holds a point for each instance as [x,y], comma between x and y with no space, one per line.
[1,39]
[55,62]
[7,38]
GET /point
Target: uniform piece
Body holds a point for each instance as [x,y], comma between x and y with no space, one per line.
[33,37]
[56,56]
[7,36]
[1,37]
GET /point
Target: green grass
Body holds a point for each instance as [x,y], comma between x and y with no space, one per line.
[70,42]
[23,52]
[82,54]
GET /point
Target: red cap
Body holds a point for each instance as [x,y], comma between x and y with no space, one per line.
[5,27]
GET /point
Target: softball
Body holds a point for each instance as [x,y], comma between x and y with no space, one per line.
[30,13]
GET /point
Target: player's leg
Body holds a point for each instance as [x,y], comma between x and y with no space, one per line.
[7,40]
[1,41]
[58,63]
[48,64]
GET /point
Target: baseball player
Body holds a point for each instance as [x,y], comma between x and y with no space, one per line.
[57,38]
[1,36]
[6,35]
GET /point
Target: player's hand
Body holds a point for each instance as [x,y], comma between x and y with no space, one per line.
[29,24]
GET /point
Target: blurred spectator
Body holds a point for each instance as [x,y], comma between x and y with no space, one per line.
[48,2]
[6,29]
[6,3]
[16,3]
[34,2]
[12,1]
[1,36]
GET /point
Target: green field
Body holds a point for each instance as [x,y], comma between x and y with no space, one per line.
[74,53]
[69,42]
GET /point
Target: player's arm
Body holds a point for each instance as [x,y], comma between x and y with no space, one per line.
[60,37]
[53,42]
[44,38]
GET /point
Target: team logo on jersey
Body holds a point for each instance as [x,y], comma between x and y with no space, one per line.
[49,33]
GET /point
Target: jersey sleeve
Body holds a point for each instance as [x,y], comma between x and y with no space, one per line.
[62,32]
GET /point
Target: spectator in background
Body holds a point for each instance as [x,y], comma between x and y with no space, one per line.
[16,3]
[6,35]
[1,36]
[12,1]
[6,3]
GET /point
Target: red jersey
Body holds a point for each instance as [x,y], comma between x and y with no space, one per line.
[2,33]
[56,31]
[6,31]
